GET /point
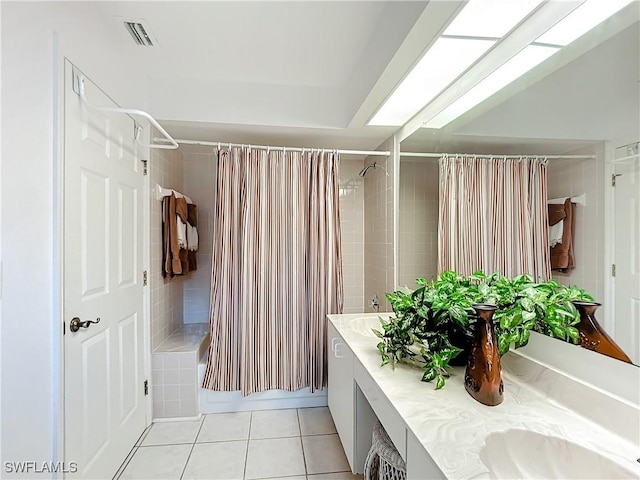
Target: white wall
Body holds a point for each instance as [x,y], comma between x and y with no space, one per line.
[30,330]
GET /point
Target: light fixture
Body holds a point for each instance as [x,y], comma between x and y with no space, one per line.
[490,18]
[514,68]
[474,31]
[581,20]
[443,63]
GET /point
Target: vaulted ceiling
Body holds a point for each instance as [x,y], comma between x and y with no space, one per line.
[312,73]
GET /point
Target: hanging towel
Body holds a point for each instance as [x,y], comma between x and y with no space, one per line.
[170,251]
[562,258]
[181,232]
[555,233]
[192,236]
[556,223]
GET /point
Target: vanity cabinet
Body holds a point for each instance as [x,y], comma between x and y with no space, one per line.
[420,466]
[341,391]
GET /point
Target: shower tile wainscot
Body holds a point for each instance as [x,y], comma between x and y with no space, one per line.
[174,368]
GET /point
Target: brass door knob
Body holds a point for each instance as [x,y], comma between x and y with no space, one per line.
[76,323]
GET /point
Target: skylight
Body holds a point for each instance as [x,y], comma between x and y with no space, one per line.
[490,18]
[442,63]
[581,20]
[478,27]
[517,66]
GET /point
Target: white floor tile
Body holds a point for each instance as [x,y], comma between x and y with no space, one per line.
[274,424]
[126,462]
[336,476]
[296,477]
[144,435]
[171,433]
[324,454]
[215,461]
[221,427]
[164,462]
[316,421]
[278,457]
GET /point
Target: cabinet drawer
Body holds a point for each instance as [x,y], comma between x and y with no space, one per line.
[390,419]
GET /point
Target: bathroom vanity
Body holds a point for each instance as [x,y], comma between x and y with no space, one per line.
[549,425]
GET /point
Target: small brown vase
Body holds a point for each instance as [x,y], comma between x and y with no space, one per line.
[592,335]
[482,378]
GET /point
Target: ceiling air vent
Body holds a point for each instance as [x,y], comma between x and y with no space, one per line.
[139,32]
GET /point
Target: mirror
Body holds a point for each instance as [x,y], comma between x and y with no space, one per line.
[581,101]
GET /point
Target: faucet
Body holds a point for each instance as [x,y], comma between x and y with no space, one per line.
[375,303]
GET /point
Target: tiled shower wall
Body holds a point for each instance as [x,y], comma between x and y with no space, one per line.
[199,181]
[573,177]
[199,184]
[418,221]
[165,169]
[379,230]
[352,230]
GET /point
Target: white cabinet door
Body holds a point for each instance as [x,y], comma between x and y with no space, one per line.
[341,391]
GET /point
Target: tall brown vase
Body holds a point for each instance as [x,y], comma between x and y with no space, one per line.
[482,378]
[592,335]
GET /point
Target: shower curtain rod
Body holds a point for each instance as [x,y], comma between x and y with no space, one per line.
[270,147]
[438,155]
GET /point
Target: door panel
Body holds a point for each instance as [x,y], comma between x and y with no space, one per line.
[627,259]
[104,363]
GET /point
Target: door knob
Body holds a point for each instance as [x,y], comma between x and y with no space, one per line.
[76,323]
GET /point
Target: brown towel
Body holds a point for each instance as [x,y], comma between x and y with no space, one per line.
[562,258]
[556,213]
[171,250]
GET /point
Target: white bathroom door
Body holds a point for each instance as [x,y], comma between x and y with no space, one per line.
[104,403]
[627,258]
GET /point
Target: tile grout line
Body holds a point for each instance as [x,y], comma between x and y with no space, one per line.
[126,463]
[193,445]
[304,457]
[246,453]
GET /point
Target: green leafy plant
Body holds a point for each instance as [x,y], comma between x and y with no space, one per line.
[434,323]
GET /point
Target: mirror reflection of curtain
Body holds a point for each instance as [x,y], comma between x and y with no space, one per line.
[493,216]
[276,269]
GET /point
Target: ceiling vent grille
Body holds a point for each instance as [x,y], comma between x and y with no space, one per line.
[139,32]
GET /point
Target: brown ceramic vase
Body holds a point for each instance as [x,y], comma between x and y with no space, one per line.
[482,377]
[592,335]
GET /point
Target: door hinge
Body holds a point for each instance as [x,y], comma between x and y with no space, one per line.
[613,178]
[613,270]
[145,278]
[146,387]
[145,170]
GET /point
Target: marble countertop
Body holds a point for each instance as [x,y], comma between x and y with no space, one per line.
[452,426]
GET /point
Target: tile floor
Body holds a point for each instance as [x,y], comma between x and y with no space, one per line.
[294,444]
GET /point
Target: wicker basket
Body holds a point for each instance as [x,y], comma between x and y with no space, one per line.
[383,460]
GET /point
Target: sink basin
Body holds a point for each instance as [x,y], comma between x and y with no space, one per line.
[525,454]
[364,325]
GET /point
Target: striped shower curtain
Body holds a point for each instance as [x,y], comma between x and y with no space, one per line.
[277,269]
[493,216]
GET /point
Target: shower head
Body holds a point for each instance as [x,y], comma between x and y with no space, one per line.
[374,165]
